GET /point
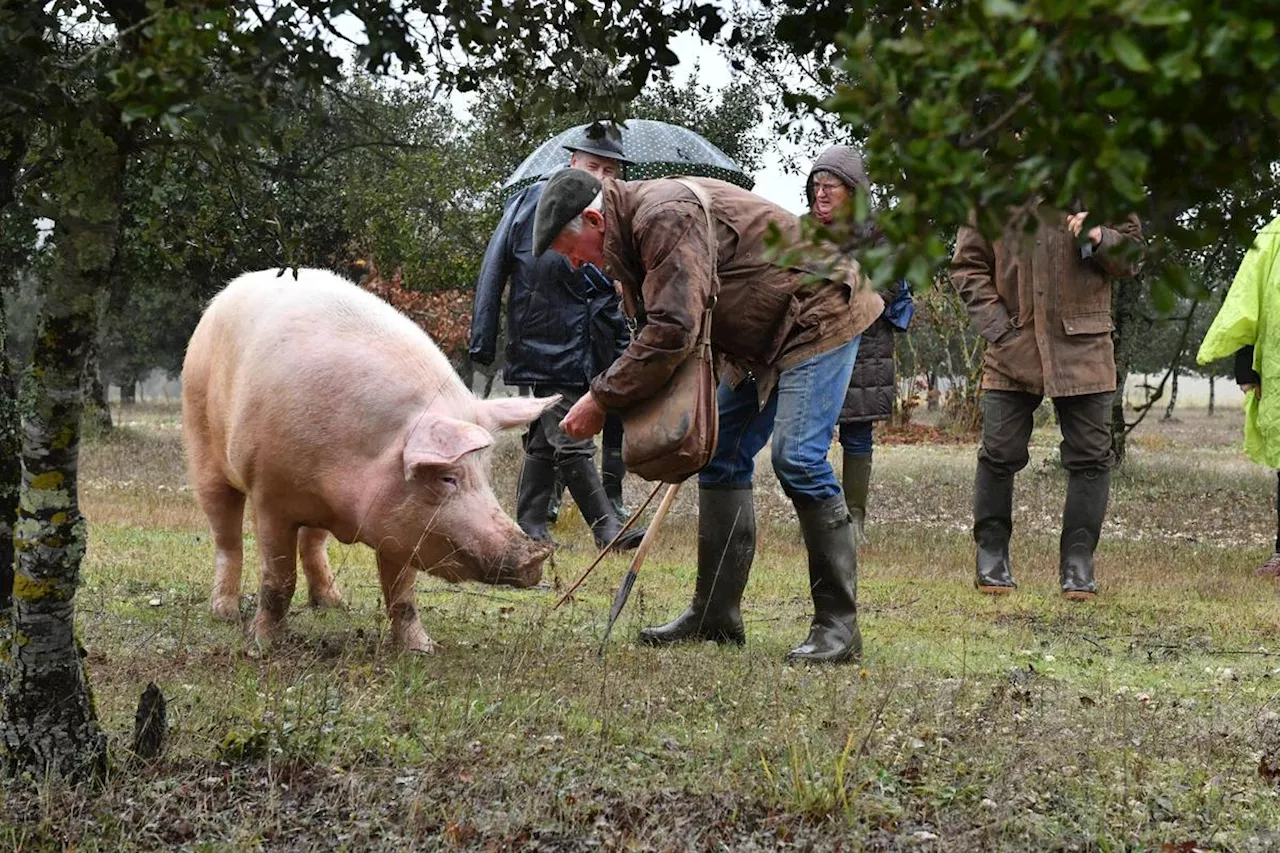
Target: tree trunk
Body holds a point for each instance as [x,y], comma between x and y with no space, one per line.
[1212,381]
[96,408]
[129,392]
[10,478]
[1124,304]
[13,149]
[49,726]
[1173,397]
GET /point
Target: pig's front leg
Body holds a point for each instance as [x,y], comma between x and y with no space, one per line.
[397,590]
[278,547]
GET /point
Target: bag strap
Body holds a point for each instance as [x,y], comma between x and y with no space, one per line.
[713,245]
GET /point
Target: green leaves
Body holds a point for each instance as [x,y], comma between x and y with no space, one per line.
[1127,51]
[1006,9]
[1160,107]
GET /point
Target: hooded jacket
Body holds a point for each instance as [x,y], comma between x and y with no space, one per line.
[1250,317]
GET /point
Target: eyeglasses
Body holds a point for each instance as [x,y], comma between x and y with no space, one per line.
[828,188]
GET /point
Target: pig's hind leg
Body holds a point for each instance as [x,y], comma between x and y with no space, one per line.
[224,506]
[397,590]
[321,589]
[278,549]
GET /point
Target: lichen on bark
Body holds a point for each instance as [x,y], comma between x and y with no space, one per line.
[10,477]
[49,725]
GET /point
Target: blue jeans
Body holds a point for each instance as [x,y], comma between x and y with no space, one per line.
[800,414]
[856,438]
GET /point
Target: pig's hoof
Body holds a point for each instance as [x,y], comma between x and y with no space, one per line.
[415,640]
[426,646]
[226,608]
[264,629]
[328,599]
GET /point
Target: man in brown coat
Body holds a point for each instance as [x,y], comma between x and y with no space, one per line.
[1042,301]
[788,345]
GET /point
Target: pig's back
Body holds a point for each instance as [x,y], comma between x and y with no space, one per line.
[311,370]
[258,308]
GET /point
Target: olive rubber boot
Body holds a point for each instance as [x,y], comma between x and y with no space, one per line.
[726,547]
[833,579]
[856,474]
[1087,494]
[992,526]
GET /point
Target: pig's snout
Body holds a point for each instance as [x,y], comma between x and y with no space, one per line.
[521,565]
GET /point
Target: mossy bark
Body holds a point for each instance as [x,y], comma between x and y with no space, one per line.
[49,725]
[14,136]
[10,477]
[97,411]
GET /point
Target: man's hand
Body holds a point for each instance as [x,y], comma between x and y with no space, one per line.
[585,419]
[1246,387]
[1076,221]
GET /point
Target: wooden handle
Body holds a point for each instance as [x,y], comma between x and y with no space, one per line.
[649,535]
[635,516]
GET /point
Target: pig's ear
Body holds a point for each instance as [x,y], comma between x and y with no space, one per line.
[495,415]
[439,440]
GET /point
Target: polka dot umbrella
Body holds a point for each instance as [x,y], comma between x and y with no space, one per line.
[656,149]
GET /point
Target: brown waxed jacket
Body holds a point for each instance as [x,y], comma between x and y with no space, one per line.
[767,318]
[1043,307]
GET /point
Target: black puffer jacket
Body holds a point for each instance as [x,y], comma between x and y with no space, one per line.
[873,386]
[551,311]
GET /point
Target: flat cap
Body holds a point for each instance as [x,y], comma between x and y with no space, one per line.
[568,192]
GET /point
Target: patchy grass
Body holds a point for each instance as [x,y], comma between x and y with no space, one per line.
[1138,721]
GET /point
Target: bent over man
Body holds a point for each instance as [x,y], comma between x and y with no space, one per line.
[786,343]
[1042,301]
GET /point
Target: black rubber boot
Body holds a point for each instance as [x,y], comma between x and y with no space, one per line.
[583,482]
[611,473]
[726,547]
[1087,495]
[992,526]
[533,492]
[833,579]
[557,498]
[856,474]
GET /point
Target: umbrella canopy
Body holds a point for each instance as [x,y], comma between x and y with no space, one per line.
[654,149]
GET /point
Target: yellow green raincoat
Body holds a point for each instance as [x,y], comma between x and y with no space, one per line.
[1250,315]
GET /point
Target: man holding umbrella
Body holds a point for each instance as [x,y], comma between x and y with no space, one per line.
[785,340]
[551,310]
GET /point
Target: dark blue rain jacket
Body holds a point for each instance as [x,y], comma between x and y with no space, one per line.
[560,329]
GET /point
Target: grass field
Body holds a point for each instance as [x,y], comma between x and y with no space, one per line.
[1143,720]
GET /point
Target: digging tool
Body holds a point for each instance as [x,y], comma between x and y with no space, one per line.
[629,579]
[631,522]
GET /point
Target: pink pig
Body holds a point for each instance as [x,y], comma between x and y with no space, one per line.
[335,414]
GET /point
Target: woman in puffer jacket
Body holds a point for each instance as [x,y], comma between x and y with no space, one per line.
[832,184]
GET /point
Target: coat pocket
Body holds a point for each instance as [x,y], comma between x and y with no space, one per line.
[752,323]
[1092,323]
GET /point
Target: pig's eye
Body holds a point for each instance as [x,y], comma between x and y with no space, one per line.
[450,480]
